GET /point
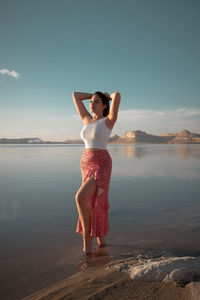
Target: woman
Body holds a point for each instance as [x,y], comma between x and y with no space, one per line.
[96,165]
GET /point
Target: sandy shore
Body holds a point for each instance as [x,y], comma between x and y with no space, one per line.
[97,279]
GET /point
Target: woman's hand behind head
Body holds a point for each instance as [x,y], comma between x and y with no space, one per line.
[107,95]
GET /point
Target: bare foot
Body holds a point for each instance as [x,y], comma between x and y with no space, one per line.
[101,245]
[100,242]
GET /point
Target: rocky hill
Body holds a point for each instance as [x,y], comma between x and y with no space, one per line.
[22,141]
[185,137]
[129,137]
[138,136]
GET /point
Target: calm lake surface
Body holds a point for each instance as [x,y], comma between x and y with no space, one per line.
[154,206]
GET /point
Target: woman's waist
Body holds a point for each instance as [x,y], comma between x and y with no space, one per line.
[95,149]
[96,144]
[96,152]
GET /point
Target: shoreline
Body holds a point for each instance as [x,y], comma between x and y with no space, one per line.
[98,279]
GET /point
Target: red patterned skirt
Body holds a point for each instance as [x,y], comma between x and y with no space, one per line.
[97,164]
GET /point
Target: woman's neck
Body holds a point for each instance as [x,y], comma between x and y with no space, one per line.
[95,117]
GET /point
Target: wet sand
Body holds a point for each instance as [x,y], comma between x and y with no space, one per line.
[97,279]
[41,265]
[97,283]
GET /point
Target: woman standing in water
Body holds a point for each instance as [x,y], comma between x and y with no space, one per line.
[96,165]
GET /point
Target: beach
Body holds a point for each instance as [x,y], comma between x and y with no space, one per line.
[97,279]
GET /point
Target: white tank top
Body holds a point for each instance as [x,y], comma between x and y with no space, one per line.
[96,134]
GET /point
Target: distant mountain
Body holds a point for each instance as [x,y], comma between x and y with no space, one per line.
[129,137]
[73,142]
[185,137]
[22,141]
[113,138]
[138,136]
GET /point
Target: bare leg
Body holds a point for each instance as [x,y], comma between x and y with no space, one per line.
[84,213]
[82,200]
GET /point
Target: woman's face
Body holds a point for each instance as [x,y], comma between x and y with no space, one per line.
[96,104]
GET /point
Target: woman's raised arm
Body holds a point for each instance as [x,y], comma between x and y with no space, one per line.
[78,97]
[115,97]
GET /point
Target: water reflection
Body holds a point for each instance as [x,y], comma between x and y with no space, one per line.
[99,257]
[33,174]
[139,150]
[178,161]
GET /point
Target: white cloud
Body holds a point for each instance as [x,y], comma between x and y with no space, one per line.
[158,121]
[12,73]
[177,114]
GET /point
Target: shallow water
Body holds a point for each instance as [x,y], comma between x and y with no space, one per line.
[154,206]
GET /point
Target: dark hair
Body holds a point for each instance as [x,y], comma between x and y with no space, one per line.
[105,100]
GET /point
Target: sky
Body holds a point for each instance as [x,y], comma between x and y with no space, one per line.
[148,51]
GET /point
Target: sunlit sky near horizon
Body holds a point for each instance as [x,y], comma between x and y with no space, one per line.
[149,51]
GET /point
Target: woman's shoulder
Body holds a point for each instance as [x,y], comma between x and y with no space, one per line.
[109,123]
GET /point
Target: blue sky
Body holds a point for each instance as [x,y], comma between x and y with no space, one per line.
[149,51]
